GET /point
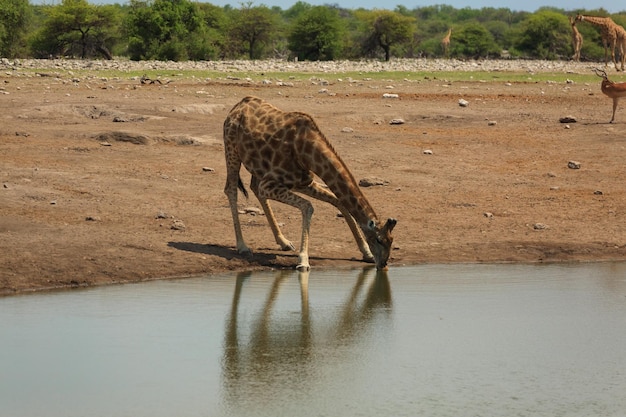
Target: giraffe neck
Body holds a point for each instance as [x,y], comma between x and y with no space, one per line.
[324,161]
[600,21]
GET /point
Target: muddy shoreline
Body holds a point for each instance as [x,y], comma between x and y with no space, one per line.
[105,180]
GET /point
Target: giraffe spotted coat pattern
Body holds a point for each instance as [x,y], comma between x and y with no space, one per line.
[283,151]
[608,32]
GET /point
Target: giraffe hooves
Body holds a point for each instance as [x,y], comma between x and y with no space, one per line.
[369,259]
[244,250]
[303,267]
[287,246]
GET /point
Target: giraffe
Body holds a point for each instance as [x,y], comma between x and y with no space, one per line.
[620,33]
[283,151]
[577,39]
[445,42]
[608,33]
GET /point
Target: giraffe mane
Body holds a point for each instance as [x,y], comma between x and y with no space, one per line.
[337,162]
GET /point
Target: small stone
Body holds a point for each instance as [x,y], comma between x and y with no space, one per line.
[492,123]
[539,226]
[573,165]
[92,219]
[208,169]
[251,210]
[567,127]
[396,121]
[347,130]
[555,188]
[597,192]
[178,225]
[463,103]
[427,152]
[161,215]
[105,144]
[567,119]
[390,95]
[488,215]
[5,185]
[372,181]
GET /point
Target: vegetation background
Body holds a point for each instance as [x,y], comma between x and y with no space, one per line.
[181,30]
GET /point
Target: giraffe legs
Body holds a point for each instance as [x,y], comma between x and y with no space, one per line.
[232,181]
[271,189]
[314,190]
[283,242]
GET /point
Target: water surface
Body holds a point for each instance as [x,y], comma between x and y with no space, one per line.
[454,340]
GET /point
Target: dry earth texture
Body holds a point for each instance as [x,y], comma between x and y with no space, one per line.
[105,179]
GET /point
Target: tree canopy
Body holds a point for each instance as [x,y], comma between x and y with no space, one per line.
[316,34]
[193,30]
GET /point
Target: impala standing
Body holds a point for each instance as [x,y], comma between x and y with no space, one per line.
[611,89]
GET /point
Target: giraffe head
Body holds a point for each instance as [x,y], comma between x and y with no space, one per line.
[579,18]
[379,239]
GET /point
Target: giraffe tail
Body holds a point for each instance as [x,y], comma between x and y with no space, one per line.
[242,187]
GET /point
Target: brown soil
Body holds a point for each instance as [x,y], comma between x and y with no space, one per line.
[111,181]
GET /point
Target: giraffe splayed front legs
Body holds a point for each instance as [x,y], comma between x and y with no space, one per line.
[283,151]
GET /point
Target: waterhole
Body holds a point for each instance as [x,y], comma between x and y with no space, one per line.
[433,340]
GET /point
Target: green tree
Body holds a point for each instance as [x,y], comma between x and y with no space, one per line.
[387,29]
[316,34]
[77,28]
[251,30]
[296,10]
[473,40]
[14,15]
[167,30]
[214,37]
[546,35]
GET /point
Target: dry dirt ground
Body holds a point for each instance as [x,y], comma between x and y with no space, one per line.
[111,181]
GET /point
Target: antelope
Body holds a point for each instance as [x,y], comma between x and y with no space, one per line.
[611,89]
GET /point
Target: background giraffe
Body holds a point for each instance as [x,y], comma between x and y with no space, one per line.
[445,43]
[283,151]
[577,39]
[620,33]
[608,32]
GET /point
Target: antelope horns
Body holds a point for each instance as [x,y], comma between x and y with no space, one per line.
[600,73]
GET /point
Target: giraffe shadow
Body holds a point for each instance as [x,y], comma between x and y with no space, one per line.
[263,257]
[597,123]
[228,253]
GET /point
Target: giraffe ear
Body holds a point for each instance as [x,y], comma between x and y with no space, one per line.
[391,223]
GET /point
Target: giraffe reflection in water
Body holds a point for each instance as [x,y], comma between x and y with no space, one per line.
[282,348]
